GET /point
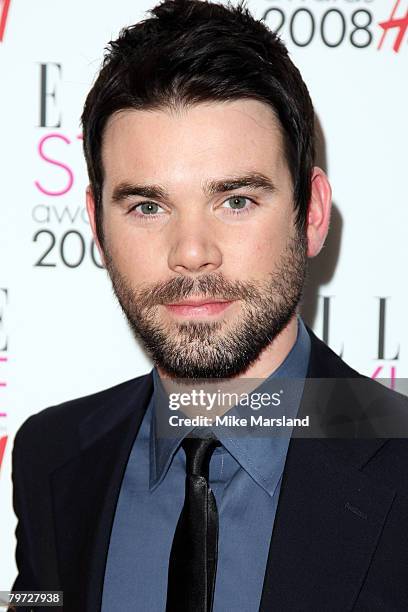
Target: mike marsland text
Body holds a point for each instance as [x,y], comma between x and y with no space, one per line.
[234,421]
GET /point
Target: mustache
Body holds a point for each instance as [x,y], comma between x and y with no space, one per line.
[182,287]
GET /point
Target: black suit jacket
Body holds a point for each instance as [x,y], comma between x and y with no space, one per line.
[340,537]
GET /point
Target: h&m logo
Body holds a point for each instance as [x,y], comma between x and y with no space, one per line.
[4,9]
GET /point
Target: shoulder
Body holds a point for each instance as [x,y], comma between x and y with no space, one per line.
[56,428]
[325,363]
[354,405]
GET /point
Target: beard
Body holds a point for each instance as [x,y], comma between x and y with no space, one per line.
[214,349]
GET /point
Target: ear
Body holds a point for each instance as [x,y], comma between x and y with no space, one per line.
[90,207]
[318,215]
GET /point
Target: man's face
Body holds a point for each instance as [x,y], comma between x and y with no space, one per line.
[199,233]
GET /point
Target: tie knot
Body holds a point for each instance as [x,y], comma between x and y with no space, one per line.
[198,454]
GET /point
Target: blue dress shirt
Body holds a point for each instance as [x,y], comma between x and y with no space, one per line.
[245,476]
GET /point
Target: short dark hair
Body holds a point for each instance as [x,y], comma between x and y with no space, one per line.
[192,51]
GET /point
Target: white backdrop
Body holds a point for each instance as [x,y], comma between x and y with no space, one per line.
[61,333]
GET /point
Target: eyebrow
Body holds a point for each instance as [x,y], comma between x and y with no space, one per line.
[127,190]
[252,180]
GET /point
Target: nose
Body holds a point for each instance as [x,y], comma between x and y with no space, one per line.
[194,248]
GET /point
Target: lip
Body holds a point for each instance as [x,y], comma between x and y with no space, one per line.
[203,307]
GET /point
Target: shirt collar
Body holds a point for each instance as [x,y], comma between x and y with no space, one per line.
[249,452]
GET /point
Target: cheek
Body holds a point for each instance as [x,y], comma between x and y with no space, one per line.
[134,254]
[265,254]
[256,251]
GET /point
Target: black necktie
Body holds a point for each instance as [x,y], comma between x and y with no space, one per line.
[193,557]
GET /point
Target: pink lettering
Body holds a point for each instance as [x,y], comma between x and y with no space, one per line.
[70,175]
[3,441]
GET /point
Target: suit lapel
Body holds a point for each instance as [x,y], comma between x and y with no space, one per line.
[330,514]
[84,518]
[329,519]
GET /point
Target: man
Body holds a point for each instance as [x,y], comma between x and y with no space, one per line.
[205,203]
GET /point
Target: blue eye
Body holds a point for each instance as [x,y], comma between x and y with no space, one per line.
[148,208]
[237,202]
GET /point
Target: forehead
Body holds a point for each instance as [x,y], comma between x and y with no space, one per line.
[193,143]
